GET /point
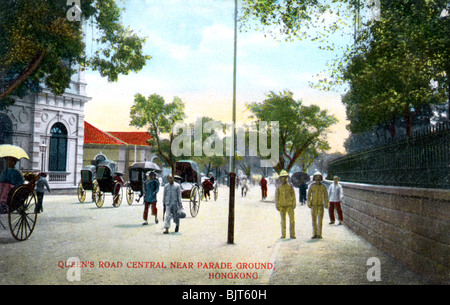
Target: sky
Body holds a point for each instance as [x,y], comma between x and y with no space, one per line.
[191,45]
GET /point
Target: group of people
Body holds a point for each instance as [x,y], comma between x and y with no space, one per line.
[171,201]
[318,198]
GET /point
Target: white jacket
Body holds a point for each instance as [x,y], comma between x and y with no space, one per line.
[335,193]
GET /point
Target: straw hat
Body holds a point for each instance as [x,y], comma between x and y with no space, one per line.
[284,173]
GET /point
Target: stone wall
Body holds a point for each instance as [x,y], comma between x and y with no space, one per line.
[412,225]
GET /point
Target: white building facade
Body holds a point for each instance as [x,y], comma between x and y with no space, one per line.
[51,130]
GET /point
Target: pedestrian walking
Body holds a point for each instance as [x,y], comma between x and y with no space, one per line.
[302,192]
[172,204]
[317,201]
[336,196]
[151,188]
[285,204]
[41,185]
[244,188]
[263,184]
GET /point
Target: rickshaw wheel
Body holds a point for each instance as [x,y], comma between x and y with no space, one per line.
[100,199]
[117,195]
[95,191]
[81,193]
[130,195]
[22,215]
[216,192]
[194,201]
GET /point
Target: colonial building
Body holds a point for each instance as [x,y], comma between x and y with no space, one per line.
[125,148]
[51,130]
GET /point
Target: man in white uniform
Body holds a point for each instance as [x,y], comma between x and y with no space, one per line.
[336,196]
[172,203]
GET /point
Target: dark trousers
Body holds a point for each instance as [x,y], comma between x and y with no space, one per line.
[302,197]
[336,204]
[40,198]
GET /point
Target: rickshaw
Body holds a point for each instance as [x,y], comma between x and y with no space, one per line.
[20,204]
[189,173]
[19,201]
[109,181]
[137,173]
[88,182]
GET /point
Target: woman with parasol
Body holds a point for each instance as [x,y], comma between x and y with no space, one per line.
[10,176]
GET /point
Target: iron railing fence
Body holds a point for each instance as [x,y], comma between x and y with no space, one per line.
[421,160]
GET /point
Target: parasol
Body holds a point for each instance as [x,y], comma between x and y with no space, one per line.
[298,177]
[7,150]
[147,165]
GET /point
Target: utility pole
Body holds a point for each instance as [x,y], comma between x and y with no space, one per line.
[233,141]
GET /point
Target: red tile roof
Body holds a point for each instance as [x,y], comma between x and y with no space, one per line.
[93,135]
[132,137]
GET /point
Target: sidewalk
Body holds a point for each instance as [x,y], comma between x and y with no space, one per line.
[340,257]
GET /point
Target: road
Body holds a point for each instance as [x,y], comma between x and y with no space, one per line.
[111,246]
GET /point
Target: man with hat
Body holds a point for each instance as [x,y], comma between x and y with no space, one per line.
[172,203]
[285,204]
[336,195]
[151,187]
[317,201]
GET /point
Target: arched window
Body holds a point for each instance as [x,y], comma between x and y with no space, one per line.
[58,148]
[5,129]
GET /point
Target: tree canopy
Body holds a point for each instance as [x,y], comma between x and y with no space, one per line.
[159,117]
[40,45]
[398,65]
[399,62]
[301,127]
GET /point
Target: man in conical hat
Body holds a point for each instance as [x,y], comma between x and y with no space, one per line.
[285,203]
[317,201]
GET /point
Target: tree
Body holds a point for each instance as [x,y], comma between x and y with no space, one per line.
[398,66]
[159,117]
[300,127]
[39,44]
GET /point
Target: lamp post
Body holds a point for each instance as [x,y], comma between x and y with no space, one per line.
[43,148]
[233,141]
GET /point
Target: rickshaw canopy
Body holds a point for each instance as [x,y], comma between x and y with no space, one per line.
[188,170]
[107,164]
[88,173]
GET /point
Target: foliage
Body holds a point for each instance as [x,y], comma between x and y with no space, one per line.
[398,66]
[311,154]
[391,64]
[159,117]
[297,19]
[38,44]
[204,161]
[301,127]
